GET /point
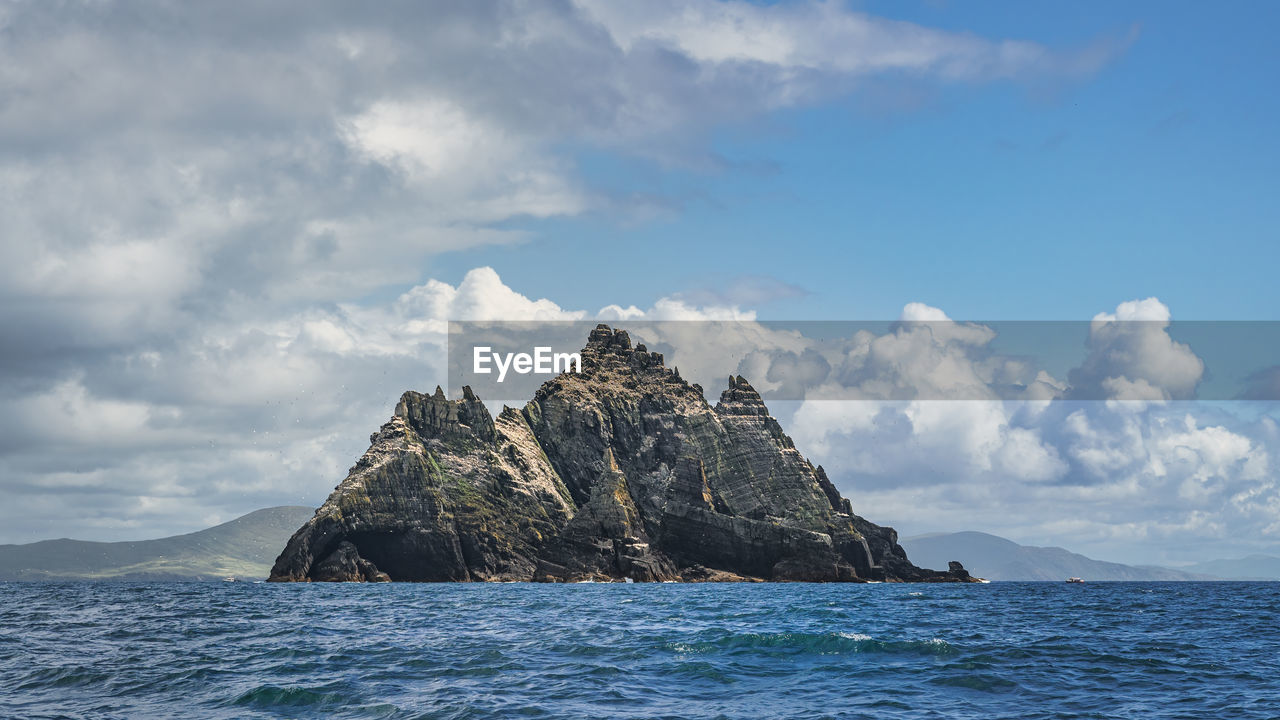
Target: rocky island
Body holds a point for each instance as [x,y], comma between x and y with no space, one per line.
[621,471]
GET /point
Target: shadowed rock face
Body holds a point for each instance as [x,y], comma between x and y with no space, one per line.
[620,471]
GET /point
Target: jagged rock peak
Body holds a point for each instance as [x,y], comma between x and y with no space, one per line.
[606,337]
[605,342]
[437,417]
[740,399]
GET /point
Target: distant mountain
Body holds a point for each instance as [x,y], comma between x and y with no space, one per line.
[995,558]
[1253,567]
[243,548]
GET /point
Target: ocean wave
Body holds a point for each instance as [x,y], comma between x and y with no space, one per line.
[405,652]
[825,643]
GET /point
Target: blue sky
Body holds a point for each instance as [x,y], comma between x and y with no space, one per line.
[1006,200]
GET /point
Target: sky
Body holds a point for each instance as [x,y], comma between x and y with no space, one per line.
[230,235]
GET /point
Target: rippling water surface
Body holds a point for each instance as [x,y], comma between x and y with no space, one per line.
[1024,650]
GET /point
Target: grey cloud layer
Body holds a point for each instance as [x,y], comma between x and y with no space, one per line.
[195,198]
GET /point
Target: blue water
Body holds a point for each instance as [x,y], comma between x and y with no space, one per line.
[1015,650]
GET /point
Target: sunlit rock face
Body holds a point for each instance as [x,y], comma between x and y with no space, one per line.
[622,471]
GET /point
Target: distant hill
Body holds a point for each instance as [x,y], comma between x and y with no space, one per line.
[996,558]
[246,547]
[243,548]
[1253,567]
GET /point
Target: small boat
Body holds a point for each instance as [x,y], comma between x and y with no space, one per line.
[1074,580]
[229,578]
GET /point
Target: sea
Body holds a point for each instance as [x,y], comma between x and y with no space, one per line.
[999,650]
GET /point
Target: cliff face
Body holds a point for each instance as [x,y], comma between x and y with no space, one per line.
[620,471]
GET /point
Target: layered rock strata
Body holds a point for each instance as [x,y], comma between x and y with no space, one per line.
[622,471]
